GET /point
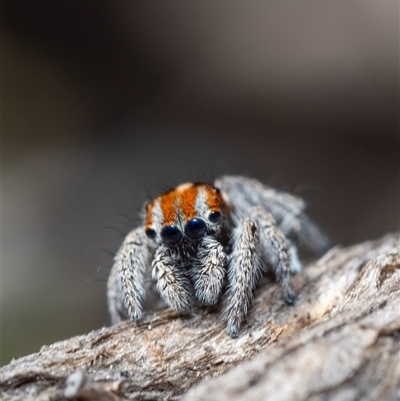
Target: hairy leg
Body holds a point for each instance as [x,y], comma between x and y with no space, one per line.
[208,271]
[116,307]
[125,287]
[288,210]
[275,251]
[172,284]
[247,192]
[243,273]
[295,264]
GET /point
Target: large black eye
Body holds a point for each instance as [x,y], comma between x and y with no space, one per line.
[151,233]
[195,228]
[171,235]
[214,217]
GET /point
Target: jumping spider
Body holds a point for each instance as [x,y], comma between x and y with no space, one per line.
[197,235]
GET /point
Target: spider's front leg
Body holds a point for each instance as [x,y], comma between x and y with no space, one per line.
[169,272]
[125,286]
[208,270]
[243,273]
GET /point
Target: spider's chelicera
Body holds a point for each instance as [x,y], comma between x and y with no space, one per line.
[199,239]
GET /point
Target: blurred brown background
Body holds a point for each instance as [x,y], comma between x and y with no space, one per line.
[105,103]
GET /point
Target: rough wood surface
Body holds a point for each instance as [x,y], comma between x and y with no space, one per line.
[340,341]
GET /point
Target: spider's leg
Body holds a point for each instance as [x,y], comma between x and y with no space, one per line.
[287,209]
[243,273]
[116,308]
[125,287]
[172,284]
[245,192]
[208,270]
[311,235]
[276,251]
[295,264]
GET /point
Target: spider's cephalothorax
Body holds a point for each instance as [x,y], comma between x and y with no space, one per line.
[185,215]
[198,235]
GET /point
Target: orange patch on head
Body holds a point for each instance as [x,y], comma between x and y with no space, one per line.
[188,202]
[214,199]
[184,198]
[168,203]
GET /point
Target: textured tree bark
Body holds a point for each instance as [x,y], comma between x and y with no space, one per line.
[340,341]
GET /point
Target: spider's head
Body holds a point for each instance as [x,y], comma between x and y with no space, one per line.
[186,213]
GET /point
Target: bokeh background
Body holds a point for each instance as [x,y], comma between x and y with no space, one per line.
[105,103]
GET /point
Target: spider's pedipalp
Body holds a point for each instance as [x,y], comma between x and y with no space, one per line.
[125,287]
[171,282]
[275,250]
[208,270]
[244,272]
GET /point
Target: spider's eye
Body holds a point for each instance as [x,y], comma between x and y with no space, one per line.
[171,235]
[151,233]
[195,228]
[214,217]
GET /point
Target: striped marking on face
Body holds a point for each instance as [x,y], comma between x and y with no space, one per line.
[186,201]
[169,203]
[214,200]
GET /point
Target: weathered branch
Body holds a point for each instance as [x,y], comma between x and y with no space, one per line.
[341,340]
